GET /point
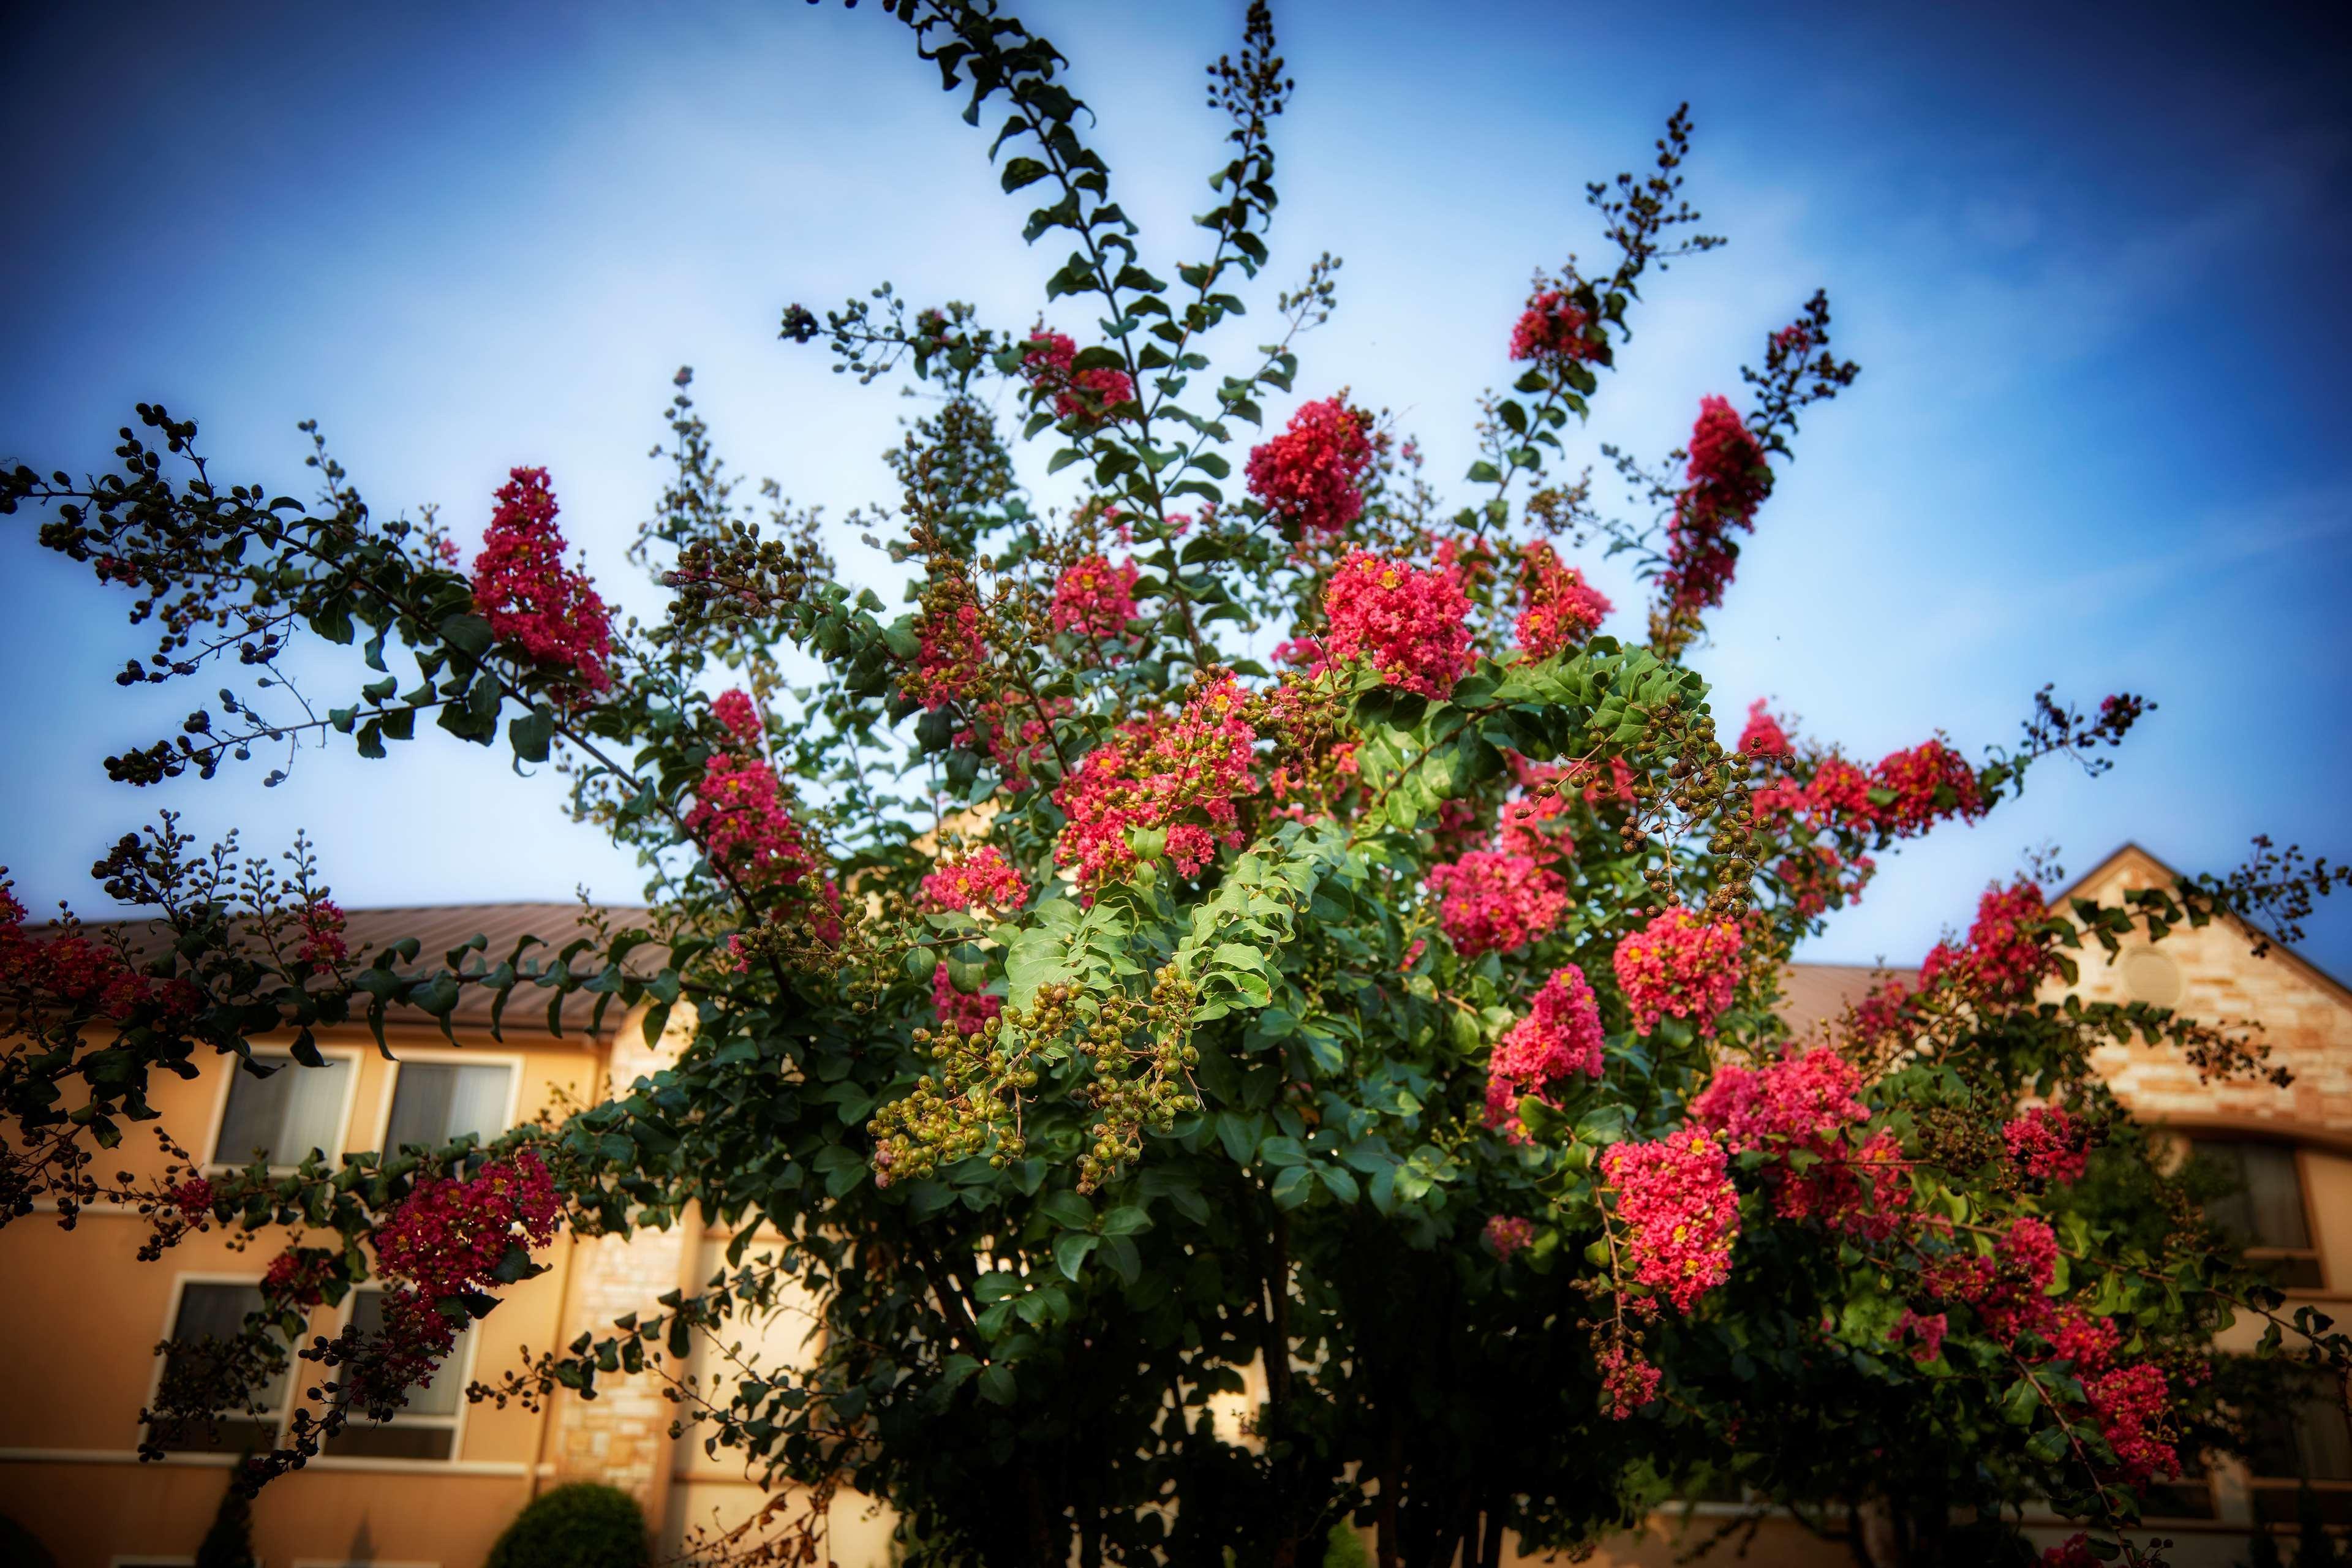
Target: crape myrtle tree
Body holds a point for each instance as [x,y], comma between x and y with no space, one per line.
[1254,915]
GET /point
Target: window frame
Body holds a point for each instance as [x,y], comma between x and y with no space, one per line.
[2193,1135]
[468,1348]
[180,1283]
[350,1056]
[457,1056]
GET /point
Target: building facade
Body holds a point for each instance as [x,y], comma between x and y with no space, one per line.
[433,1488]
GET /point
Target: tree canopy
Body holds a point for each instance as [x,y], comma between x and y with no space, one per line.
[1289,920]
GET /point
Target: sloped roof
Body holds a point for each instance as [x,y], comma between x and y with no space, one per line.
[439,928]
[1816,994]
[1811,993]
[2130,850]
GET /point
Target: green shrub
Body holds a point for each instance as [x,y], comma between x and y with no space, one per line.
[583,1525]
[1345,1549]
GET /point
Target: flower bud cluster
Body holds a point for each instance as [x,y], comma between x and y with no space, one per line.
[1141,1054]
[969,1102]
[1560,608]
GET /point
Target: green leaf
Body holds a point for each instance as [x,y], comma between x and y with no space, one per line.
[1066,1208]
[467,633]
[996,1384]
[1128,1219]
[1292,1187]
[530,734]
[1071,1250]
[1282,1152]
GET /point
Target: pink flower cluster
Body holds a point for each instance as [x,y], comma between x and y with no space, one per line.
[1763,736]
[736,714]
[1818,877]
[1508,1234]
[949,657]
[322,922]
[1681,965]
[1095,598]
[2009,1292]
[741,818]
[2005,957]
[966,1015]
[1561,609]
[1488,902]
[1534,826]
[1804,1102]
[1560,1036]
[193,1198]
[1089,396]
[1413,625]
[2130,1405]
[1929,1328]
[1808,1104]
[297,1275]
[1922,785]
[983,879]
[1312,476]
[1552,328]
[1929,783]
[448,1236]
[1016,733]
[527,594]
[1152,775]
[2075,1551]
[2047,1144]
[1680,1211]
[1728,481]
[83,972]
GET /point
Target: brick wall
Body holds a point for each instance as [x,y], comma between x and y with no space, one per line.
[2213,975]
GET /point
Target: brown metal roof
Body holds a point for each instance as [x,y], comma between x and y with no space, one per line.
[1813,994]
[439,928]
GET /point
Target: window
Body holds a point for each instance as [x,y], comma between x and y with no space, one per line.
[424,1428]
[2298,1441]
[217,1313]
[284,1116]
[2262,1210]
[433,1103]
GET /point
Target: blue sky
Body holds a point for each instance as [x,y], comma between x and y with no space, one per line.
[2091,267]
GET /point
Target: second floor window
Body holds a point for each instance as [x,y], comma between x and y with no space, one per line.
[433,1103]
[424,1428]
[284,1116]
[211,1316]
[2262,1209]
